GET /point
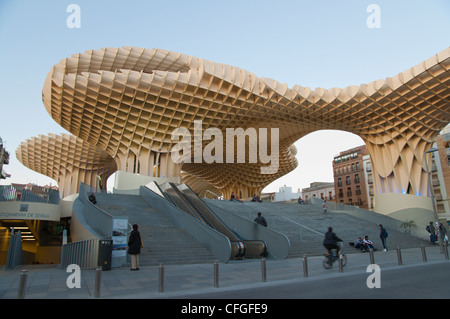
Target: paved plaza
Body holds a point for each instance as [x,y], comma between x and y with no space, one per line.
[50,281]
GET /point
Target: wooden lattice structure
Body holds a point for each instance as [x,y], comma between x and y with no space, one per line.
[128,101]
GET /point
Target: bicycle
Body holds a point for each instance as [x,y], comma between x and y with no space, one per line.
[330,258]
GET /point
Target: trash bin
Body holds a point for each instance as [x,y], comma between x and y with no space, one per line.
[105,253]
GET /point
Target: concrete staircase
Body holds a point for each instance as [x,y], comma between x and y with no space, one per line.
[163,242]
[305,226]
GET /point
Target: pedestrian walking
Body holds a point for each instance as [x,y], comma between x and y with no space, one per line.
[383,236]
[443,233]
[430,228]
[134,247]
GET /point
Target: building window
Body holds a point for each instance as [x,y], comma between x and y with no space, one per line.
[349,191]
[348,180]
[339,182]
[357,178]
[358,190]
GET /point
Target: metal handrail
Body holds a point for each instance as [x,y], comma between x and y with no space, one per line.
[208,191]
[82,253]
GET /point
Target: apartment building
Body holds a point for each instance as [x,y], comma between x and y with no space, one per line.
[322,190]
[4,160]
[440,173]
[352,184]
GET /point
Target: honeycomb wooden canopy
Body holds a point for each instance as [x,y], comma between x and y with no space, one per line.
[67,159]
[128,101]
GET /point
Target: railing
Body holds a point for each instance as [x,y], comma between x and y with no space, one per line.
[361,213]
[292,230]
[215,196]
[239,246]
[99,220]
[99,223]
[206,212]
[9,193]
[82,253]
[14,257]
[332,206]
[278,244]
[218,244]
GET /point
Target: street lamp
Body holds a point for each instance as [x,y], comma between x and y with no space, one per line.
[433,199]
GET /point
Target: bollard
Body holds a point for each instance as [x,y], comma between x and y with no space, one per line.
[372,259]
[263,269]
[22,284]
[446,251]
[305,266]
[341,264]
[161,278]
[98,282]
[424,254]
[216,274]
[399,256]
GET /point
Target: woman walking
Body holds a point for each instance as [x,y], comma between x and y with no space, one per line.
[134,247]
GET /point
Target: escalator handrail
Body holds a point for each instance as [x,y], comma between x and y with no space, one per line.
[192,210]
[212,217]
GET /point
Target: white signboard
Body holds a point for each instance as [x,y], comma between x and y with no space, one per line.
[119,238]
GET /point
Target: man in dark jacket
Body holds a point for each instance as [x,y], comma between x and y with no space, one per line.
[330,241]
[134,247]
[261,220]
[383,236]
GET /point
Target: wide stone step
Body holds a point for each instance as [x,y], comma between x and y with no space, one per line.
[163,242]
[305,226]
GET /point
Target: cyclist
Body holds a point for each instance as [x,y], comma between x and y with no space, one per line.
[330,241]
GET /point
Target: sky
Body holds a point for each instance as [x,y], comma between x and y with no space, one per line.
[322,43]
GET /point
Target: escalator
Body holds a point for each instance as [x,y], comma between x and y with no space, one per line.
[187,200]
